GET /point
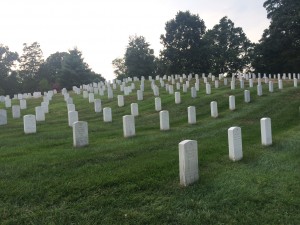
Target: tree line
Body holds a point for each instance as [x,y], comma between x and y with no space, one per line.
[30,72]
[189,48]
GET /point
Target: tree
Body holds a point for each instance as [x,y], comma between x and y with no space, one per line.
[120,68]
[8,61]
[279,48]
[31,60]
[75,71]
[139,58]
[51,69]
[183,46]
[229,48]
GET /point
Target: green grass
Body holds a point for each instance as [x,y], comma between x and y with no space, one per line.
[44,180]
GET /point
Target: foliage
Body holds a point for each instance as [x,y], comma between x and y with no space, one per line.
[51,69]
[8,61]
[119,68]
[279,47]
[139,58]
[75,71]
[229,48]
[30,63]
[183,46]
[30,60]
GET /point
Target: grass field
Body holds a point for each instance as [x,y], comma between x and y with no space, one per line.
[116,180]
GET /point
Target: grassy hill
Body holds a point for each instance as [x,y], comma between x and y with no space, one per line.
[117,180]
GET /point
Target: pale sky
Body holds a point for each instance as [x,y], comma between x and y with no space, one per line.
[101,28]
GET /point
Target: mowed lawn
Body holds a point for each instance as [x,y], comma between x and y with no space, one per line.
[117,180]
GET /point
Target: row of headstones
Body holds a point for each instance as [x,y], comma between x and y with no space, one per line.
[21,96]
[97,102]
[40,111]
[7,99]
[129,120]
[188,151]
[107,112]
[169,87]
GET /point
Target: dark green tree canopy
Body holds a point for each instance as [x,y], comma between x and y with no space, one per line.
[119,68]
[8,59]
[183,44]
[75,71]
[229,47]
[30,60]
[51,69]
[8,79]
[279,47]
[139,58]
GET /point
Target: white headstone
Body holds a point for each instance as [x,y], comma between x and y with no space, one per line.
[188,162]
[128,126]
[7,102]
[214,109]
[177,97]
[45,107]
[197,86]
[259,90]
[193,92]
[110,93]
[107,115]
[280,86]
[208,88]
[134,109]
[71,107]
[3,117]
[216,83]
[16,111]
[72,117]
[295,82]
[184,88]
[23,104]
[266,131]
[39,113]
[80,134]
[157,104]
[247,96]
[232,102]
[120,100]
[271,88]
[232,84]
[69,100]
[171,89]
[164,120]
[155,91]
[139,94]
[242,84]
[250,83]
[258,81]
[97,105]
[191,114]
[29,124]
[91,97]
[235,143]
[225,81]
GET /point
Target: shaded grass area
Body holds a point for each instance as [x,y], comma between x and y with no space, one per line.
[44,180]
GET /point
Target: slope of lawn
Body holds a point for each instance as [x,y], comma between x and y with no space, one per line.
[117,180]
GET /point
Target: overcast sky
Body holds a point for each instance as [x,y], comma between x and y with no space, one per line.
[101,28]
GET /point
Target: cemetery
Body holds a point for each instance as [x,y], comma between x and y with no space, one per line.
[174,149]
